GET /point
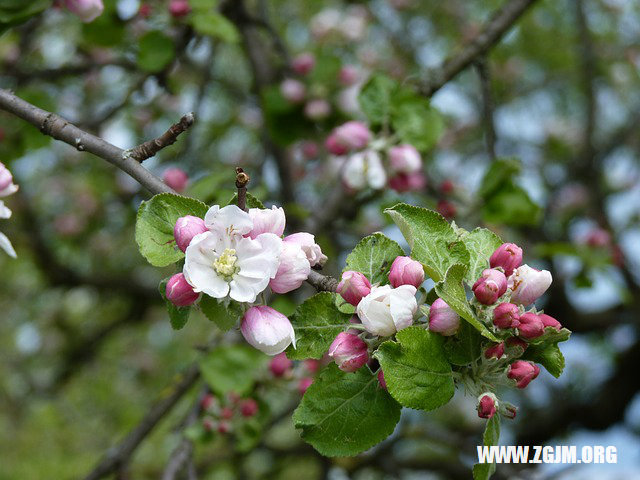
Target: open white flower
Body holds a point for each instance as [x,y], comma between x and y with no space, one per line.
[387,310]
[221,262]
[364,169]
[7,187]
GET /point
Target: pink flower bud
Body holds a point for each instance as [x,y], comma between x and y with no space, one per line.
[528,284]
[304,384]
[309,149]
[176,178]
[280,365]
[292,90]
[186,228]
[443,319]
[267,330]
[307,242]
[406,271]
[381,380]
[226,413]
[549,321]
[490,286]
[179,292]
[208,401]
[208,424]
[495,351]
[224,427]
[510,412]
[317,109]
[179,8]
[303,63]
[347,137]
[506,315]
[86,10]
[517,342]
[267,221]
[6,179]
[293,270]
[145,10]
[348,75]
[248,407]
[408,182]
[446,209]
[598,238]
[312,365]
[353,287]
[447,187]
[523,372]
[405,159]
[508,256]
[531,326]
[487,405]
[349,352]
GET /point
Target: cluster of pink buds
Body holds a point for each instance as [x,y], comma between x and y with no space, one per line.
[381,311]
[281,367]
[363,164]
[220,415]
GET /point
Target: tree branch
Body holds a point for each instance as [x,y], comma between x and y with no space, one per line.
[117,456]
[482,68]
[149,148]
[57,127]
[501,21]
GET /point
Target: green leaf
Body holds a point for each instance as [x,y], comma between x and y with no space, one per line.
[15,12]
[178,316]
[375,98]
[416,370]
[500,171]
[316,323]
[343,414]
[415,121]
[373,257]
[483,471]
[480,243]
[225,316]
[154,226]
[451,290]
[463,347]
[251,201]
[155,51]
[232,368]
[545,350]
[432,239]
[215,25]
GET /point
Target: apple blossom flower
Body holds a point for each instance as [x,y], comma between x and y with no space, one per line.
[303,63]
[7,187]
[293,90]
[523,372]
[406,271]
[528,284]
[186,228]
[490,286]
[508,256]
[487,405]
[408,182]
[86,10]
[280,365]
[364,169]
[317,109]
[309,246]
[176,178]
[495,351]
[347,137]
[348,75]
[530,326]
[267,221]
[349,352]
[353,287]
[267,330]
[222,262]
[387,310]
[293,270]
[404,159]
[506,315]
[179,292]
[443,319]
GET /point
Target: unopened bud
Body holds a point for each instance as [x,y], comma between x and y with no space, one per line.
[353,287]
[405,159]
[293,90]
[443,319]
[490,286]
[280,365]
[487,405]
[531,326]
[495,351]
[523,372]
[549,321]
[304,384]
[179,8]
[303,63]
[406,271]
[179,292]
[248,407]
[176,178]
[349,352]
[186,228]
[317,109]
[381,380]
[506,315]
[508,256]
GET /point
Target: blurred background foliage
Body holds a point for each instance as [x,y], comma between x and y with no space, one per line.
[85,340]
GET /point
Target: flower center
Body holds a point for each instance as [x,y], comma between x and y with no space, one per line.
[225,264]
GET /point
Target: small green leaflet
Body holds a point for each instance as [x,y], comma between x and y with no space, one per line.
[483,471]
[373,257]
[225,316]
[545,350]
[232,368]
[480,243]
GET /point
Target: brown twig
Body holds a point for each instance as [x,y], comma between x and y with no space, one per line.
[57,127]
[149,148]
[117,456]
[242,179]
[501,21]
